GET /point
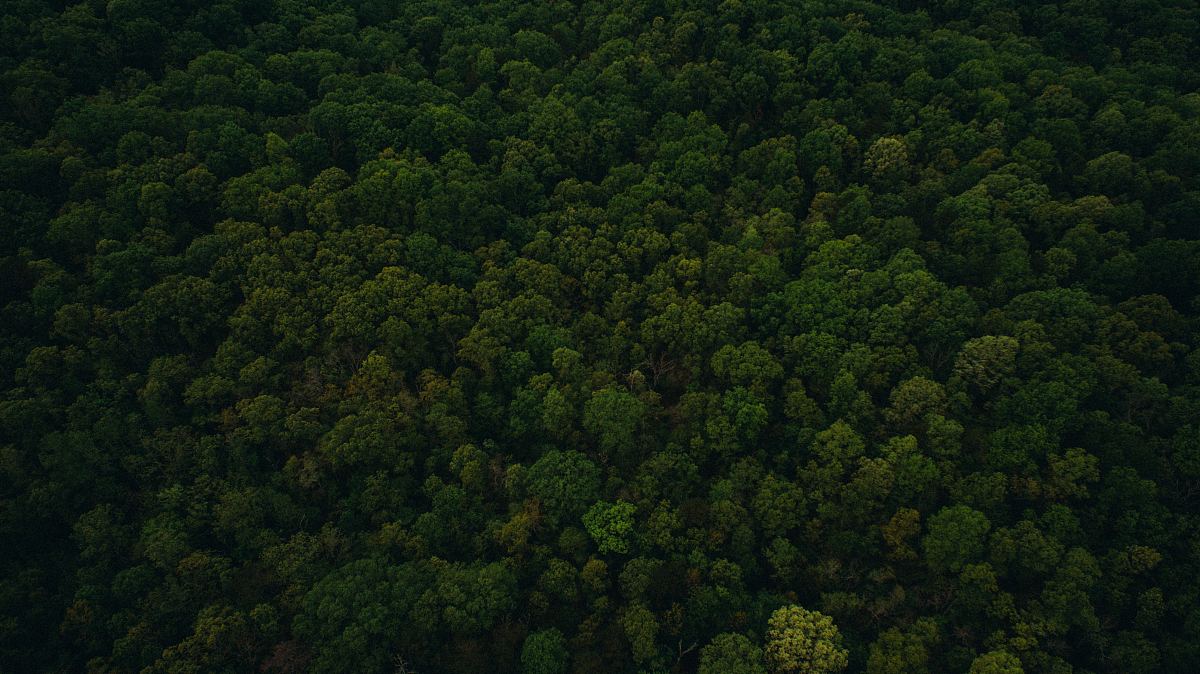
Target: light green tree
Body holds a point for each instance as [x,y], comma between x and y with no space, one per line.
[610,525]
[803,641]
[997,662]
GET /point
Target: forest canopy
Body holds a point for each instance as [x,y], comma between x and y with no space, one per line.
[730,337]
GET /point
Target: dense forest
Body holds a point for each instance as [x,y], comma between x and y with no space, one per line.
[590,336]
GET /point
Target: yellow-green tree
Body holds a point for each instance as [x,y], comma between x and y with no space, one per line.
[805,642]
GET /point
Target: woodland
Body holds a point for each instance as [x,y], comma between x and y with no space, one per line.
[599,336]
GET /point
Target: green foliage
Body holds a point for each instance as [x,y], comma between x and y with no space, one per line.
[610,525]
[799,640]
[996,662]
[489,337]
[731,653]
[612,416]
[956,536]
[355,616]
[985,361]
[545,652]
[565,483]
[899,651]
[641,630]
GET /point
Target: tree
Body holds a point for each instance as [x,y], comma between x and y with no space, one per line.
[984,361]
[886,156]
[902,651]
[731,653]
[610,525]
[996,662]
[613,416]
[955,537]
[545,652]
[641,629]
[912,400]
[355,616]
[746,365]
[564,482]
[779,506]
[803,641]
